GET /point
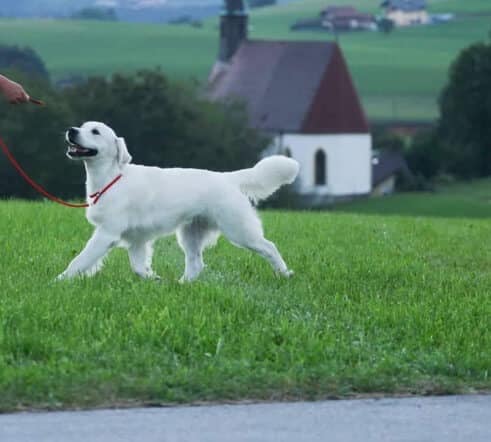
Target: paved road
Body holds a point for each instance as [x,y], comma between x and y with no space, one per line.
[441,419]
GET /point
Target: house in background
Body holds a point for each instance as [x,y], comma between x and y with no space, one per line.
[302,94]
[406,12]
[347,18]
[386,167]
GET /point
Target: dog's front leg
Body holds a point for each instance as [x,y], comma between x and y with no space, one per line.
[95,250]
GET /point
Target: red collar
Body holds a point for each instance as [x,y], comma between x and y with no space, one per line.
[101,192]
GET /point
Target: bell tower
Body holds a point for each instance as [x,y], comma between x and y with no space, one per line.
[233,28]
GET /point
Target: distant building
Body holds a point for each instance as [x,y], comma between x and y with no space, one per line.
[406,12]
[301,93]
[386,167]
[347,18]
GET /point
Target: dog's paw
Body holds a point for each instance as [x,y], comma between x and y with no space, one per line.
[61,277]
[150,276]
[288,273]
[186,279]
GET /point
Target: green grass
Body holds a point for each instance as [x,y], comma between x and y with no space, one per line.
[398,76]
[377,305]
[470,199]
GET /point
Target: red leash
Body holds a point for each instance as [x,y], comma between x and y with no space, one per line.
[44,192]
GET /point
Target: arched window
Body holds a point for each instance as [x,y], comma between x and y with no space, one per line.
[320,168]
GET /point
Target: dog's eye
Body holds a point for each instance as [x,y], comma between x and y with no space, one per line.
[95,132]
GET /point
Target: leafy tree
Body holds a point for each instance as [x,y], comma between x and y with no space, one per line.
[22,59]
[426,154]
[36,137]
[385,140]
[164,124]
[167,124]
[465,107]
[386,25]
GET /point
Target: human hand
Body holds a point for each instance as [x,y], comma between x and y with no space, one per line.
[13,92]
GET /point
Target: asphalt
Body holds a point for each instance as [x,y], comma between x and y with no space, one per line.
[432,419]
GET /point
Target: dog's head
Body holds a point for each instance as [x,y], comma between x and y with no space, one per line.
[95,141]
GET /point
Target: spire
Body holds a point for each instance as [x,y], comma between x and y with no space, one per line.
[233,28]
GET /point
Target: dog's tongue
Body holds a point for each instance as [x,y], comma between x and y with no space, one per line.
[77,148]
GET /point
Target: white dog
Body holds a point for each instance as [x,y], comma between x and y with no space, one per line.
[132,205]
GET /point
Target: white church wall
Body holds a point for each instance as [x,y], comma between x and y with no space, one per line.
[348,162]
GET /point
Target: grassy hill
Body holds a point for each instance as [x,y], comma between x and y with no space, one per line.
[377,305]
[398,75]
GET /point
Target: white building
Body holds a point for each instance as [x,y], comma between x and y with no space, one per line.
[406,12]
[301,93]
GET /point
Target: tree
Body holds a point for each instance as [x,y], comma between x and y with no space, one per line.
[386,25]
[465,108]
[168,124]
[426,154]
[164,123]
[25,60]
[385,140]
[35,136]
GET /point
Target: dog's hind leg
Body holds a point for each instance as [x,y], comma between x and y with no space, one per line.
[91,256]
[193,238]
[140,254]
[243,228]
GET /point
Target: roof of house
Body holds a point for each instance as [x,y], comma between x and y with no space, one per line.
[387,163]
[405,5]
[339,10]
[344,12]
[293,86]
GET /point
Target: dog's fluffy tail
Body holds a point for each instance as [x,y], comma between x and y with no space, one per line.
[266,177]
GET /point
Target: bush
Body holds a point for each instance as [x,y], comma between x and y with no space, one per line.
[165,124]
[385,140]
[35,135]
[426,155]
[386,25]
[413,183]
[168,124]
[24,60]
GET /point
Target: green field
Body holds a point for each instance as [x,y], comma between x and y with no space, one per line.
[471,199]
[399,75]
[391,305]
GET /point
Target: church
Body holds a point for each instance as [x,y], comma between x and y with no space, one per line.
[301,94]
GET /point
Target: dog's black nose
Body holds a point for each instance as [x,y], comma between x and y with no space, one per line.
[72,132]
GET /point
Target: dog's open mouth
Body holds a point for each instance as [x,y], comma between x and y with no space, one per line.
[75,150]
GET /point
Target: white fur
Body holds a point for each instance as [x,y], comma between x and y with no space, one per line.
[149,202]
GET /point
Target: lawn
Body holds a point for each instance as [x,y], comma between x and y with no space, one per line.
[398,75]
[471,199]
[392,305]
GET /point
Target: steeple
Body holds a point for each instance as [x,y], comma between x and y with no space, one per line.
[233,28]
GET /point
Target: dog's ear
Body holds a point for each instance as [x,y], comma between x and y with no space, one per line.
[123,155]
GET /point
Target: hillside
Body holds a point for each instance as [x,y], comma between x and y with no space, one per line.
[398,75]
